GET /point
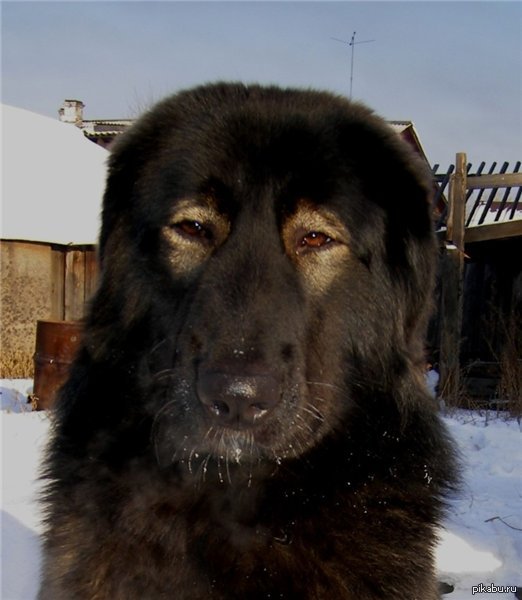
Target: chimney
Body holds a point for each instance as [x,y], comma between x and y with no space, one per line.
[71,111]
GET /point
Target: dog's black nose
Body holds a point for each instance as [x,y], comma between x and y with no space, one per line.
[237,400]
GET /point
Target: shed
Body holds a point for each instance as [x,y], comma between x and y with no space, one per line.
[52,187]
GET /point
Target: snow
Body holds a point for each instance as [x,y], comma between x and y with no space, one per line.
[52,174]
[481,541]
[23,438]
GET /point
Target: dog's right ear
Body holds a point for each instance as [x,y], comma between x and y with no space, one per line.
[129,155]
[124,167]
[106,329]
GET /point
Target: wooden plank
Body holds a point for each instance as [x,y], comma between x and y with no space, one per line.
[57,284]
[451,324]
[494,231]
[479,182]
[74,284]
[457,203]
[91,274]
[452,268]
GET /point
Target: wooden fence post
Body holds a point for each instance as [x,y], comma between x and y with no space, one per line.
[452,272]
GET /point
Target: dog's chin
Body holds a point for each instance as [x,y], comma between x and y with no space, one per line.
[226,449]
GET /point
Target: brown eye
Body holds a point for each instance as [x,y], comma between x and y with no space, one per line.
[193,229]
[314,239]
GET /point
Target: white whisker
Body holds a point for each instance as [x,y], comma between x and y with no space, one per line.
[304,424]
[164,374]
[324,384]
[313,411]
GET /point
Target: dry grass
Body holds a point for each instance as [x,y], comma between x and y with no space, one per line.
[16,364]
[455,397]
[510,384]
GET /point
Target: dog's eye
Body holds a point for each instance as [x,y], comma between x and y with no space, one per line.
[192,229]
[313,240]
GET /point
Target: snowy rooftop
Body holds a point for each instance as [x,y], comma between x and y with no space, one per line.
[52,181]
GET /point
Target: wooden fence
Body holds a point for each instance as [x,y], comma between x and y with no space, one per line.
[459,232]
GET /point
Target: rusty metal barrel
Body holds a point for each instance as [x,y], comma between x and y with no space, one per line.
[56,345]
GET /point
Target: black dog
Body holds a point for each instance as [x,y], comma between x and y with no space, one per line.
[247,417]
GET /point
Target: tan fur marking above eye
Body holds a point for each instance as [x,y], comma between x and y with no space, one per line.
[186,252]
[319,263]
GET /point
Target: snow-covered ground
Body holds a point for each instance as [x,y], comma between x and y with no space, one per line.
[480,544]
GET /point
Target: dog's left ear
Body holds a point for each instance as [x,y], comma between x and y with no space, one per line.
[394,177]
[411,242]
[400,182]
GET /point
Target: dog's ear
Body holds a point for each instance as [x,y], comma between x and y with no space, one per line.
[119,301]
[391,174]
[399,185]
[125,165]
[129,156]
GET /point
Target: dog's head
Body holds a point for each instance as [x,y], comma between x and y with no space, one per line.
[267,257]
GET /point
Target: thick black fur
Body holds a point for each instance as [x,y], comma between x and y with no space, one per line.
[301,289]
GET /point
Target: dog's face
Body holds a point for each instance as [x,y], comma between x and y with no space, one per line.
[267,262]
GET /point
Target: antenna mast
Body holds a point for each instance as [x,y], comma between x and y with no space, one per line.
[352,43]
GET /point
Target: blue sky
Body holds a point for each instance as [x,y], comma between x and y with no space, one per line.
[454,68]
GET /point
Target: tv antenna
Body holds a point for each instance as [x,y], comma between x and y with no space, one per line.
[352,43]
